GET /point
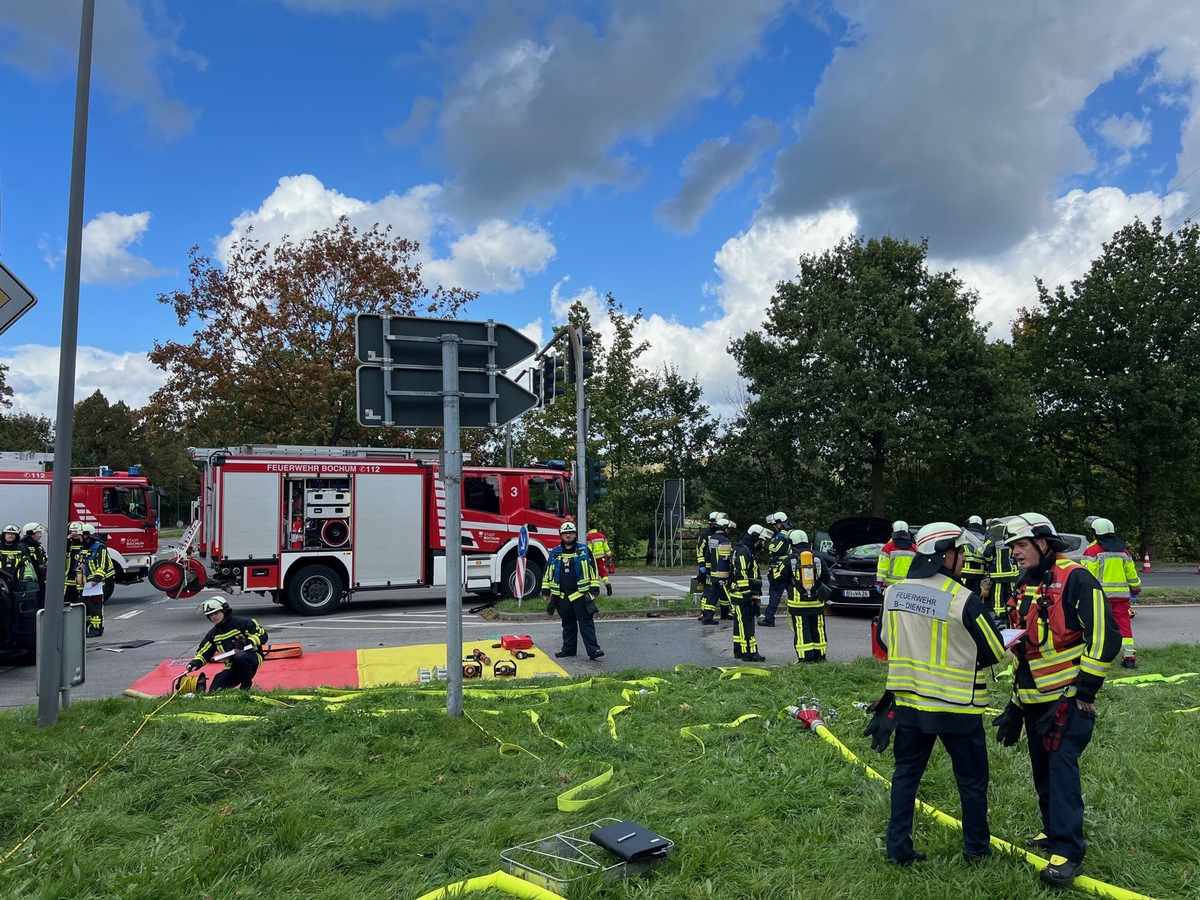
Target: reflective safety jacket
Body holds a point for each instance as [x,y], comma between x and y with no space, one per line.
[938,639]
[998,561]
[77,564]
[1109,560]
[100,565]
[1071,636]
[15,558]
[894,560]
[779,548]
[601,553]
[570,573]
[743,570]
[804,568]
[233,633]
[720,551]
[702,546]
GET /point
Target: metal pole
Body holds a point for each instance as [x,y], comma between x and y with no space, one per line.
[452,479]
[580,435]
[50,674]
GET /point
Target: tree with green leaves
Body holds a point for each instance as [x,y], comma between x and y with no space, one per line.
[1114,362]
[272,357]
[865,360]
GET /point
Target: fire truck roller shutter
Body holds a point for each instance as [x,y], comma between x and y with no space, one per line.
[535,567]
[315,590]
[335,532]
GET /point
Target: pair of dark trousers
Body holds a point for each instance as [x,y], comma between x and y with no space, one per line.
[775,588]
[1056,777]
[577,620]
[239,673]
[808,630]
[968,759]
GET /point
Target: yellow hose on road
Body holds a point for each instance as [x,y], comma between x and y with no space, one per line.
[1099,888]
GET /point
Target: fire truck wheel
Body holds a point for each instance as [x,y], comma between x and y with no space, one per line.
[533,577]
[315,590]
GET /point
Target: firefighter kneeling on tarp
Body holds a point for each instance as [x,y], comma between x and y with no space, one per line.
[243,637]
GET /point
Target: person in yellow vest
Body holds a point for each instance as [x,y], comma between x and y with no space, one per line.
[1070,639]
[805,609]
[895,557]
[1109,560]
[602,555]
[939,639]
[974,570]
[1002,574]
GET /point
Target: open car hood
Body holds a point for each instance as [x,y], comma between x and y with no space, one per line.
[854,531]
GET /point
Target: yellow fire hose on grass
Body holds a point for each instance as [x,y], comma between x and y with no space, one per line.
[810,717]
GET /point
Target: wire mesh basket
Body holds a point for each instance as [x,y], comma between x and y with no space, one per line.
[560,859]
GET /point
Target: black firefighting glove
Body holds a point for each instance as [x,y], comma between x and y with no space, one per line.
[756,587]
[1053,723]
[590,603]
[551,604]
[194,665]
[608,588]
[882,723]
[1008,725]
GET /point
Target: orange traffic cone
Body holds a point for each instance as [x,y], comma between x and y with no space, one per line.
[1146,562]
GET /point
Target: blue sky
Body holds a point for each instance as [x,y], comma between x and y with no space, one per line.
[681,154]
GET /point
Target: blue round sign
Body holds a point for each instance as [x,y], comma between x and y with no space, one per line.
[523,542]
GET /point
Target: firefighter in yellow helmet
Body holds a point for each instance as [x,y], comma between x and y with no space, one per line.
[238,641]
[939,639]
[806,610]
[1069,642]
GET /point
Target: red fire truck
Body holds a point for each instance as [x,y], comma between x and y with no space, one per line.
[309,526]
[122,506]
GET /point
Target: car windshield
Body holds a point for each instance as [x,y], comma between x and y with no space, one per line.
[863,551]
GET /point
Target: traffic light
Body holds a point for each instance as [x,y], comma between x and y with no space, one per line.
[596,480]
[554,378]
[586,341]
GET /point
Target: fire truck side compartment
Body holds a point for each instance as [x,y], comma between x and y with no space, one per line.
[389,529]
[252,515]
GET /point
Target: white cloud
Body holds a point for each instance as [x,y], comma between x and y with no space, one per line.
[1125,132]
[106,258]
[33,376]
[496,256]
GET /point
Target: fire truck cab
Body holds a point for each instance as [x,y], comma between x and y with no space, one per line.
[310,526]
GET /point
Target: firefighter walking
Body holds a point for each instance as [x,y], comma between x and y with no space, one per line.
[570,588]
[939,640]
[242,639]
[1109,561]
[1070,640]
[779,548]
[745,593]
[602,554]
[806,611]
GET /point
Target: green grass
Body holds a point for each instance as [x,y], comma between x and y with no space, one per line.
[386,796]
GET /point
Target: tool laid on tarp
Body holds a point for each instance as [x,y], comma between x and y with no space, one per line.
[512,642]
[504,668]
[471,668]
[281,651]
[190,683]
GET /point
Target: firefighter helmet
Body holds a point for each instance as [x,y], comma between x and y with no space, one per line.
[975,520]
[798,536]
[938,537]
[757,531]
[1102,526]
[899,526]
[714,515]
[1089,521]
[216,604]
[568,527]
[777,517]
[89,528]
[725,522]
[12,529]
[1033,525]
[32,528]
[74,528]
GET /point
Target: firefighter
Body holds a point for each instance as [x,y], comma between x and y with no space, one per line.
[974,570]
[12,554]
[1069,642]
[779,548]
[805,610]
[939,639]
[570,587]
[744,587]
[602,554]
[245,637]
[99,548]
[76,574]
[31,540]
[98,573]
[716,558]
[895,557]
[1002,574]
[1109,560]
[702,553]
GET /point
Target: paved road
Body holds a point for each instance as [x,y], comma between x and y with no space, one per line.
[138,613]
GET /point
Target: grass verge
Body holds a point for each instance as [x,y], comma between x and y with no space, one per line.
[379,793]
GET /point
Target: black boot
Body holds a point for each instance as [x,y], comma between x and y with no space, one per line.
[725,614]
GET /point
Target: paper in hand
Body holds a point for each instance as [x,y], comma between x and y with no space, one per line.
[1011,635]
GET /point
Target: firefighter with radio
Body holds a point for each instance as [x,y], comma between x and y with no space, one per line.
[779,548]
[805,609]
[1070,639]
[236,641]
[939,640]
[1002,575]
[1109,560]
[702,552]
[716,560]
[895,557]
[974,569]
[570,587]
[602,554]
[744,587]
[31,540]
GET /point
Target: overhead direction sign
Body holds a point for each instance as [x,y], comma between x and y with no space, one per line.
[412,398]
[414,341]
[15,298]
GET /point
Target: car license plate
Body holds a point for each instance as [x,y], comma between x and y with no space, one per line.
[862,594]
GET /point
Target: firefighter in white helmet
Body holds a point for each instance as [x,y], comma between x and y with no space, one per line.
[939,639]
[702,550]
[779,548]
[243,638]
[1109,559]
[31,539]
[806,610]
[570,587]
[895,557]
[716,560]
[1069,642]
[744,588]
